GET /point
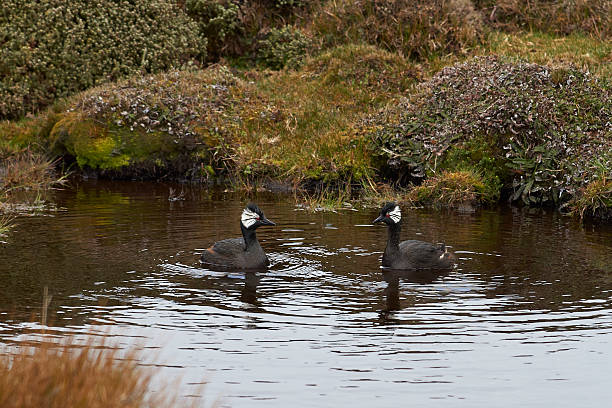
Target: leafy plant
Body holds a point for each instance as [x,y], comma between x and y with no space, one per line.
[220,23]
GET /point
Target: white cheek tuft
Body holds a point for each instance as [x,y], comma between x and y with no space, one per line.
[248,218]
[396,214]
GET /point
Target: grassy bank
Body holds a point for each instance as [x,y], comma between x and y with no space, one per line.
[369,96]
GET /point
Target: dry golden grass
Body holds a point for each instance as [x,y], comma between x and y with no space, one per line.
[61,376]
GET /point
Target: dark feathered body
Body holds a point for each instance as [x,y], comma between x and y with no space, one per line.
[413,254]
[233,253]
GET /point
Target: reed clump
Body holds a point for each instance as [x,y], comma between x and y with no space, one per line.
[60,376]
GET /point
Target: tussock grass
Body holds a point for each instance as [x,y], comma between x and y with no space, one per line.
[594,200]
[6,222]
[27,170]
[458,189]
[60,376]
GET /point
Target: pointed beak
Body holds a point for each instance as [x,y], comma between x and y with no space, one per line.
[266,221]
[379,219]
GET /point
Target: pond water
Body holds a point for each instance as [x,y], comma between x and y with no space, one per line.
[523,320]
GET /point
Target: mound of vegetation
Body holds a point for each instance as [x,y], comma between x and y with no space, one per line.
[402,26]
[540,133]
[54,48]
[179,123]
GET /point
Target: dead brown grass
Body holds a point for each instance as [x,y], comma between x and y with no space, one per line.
[27,170]
[563,17]
[61,376]
[415,29]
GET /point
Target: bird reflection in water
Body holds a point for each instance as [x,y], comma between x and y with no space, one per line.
[249,291]
[393,278]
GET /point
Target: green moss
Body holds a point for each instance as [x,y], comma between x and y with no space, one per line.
[90,143]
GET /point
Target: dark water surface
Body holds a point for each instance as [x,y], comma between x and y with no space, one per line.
[524,319]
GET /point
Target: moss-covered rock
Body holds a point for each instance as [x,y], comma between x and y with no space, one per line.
[538,131]
[179,123]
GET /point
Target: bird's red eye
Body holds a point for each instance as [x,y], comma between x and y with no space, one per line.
[387,215]
[258,218]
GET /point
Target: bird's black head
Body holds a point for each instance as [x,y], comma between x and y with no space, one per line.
[252,217]
[390,214]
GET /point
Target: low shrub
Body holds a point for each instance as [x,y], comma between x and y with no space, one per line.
[53,48]
[284,47]
[221,23]
[537,129]
[402,26]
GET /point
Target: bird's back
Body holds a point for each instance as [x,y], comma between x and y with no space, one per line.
[414,254]
[231,253]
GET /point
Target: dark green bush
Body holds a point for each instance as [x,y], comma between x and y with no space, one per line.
[220,22]
[53,48]
[285,47]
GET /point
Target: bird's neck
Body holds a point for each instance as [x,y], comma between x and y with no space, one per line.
[394,237]
[249,237]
